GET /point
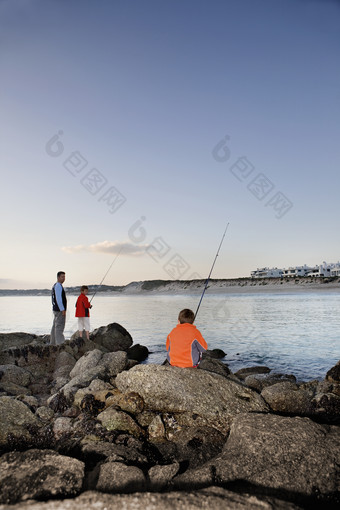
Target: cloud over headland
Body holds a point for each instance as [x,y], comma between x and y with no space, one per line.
[125,248]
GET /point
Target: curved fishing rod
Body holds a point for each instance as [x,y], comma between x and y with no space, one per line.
[212,267]
[107,272]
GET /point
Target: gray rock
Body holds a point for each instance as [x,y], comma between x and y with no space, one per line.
[131,403]
[45,414]
[114,362]
[138,352]
[244,372]
[194,397]
[160,476]
[293,456]
[326,400]
[88,361]
[310,387]
[63,365]
[77,346]
[260,381]
[14,340]
[214,498]
[116,477]
[112,337]
[129,451]
[14,374]
[156,430]
[99,385]
[214,353]
[327,406]
[99,389]
[96,451]
[43,360]
[286,397]
[103,366]
[111,419]
[61,427]
[30,401]
[215,366]
[194,446]
[333,375]
[15,417]
[12,389]
[145,418]
[38,359]
[59,383]
[38,473]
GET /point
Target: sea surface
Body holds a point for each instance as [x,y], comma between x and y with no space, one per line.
[296,333]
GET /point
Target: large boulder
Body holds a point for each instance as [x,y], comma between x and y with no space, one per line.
[88,361]
[15,420]
[112,337]
[14,374]
[13,340]
[94,365]
[37,474]
[287,397]
[116,477]
[195,397]
[294,457]
[215,498]
[138,352]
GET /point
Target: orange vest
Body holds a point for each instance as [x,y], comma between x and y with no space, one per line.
[185,345]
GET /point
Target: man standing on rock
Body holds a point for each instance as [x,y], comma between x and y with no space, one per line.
[59,305]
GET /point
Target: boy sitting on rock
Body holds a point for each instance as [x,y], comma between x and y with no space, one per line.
[185,344]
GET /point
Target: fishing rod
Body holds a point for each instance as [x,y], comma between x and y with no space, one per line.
[107,272]
[212,267]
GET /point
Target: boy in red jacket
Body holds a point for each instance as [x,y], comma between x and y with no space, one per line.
[83,312]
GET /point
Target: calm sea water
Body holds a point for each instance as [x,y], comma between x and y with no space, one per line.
[290,333]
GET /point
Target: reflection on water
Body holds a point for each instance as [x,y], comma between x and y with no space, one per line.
[295,333]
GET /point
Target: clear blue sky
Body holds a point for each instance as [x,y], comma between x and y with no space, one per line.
[143,91]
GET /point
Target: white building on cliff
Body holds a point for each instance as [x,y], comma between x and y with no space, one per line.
[322,270]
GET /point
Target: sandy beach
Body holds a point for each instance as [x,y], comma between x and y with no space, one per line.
[234,286]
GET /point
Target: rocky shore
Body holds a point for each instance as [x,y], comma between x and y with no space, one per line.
[86,425]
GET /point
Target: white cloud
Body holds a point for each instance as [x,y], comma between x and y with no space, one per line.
[124,248]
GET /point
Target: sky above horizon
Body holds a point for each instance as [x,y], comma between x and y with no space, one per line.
[134,131]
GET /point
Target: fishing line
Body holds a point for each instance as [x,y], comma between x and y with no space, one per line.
[212,267]
[107,272]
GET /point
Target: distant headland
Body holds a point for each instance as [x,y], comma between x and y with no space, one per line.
[230,285]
